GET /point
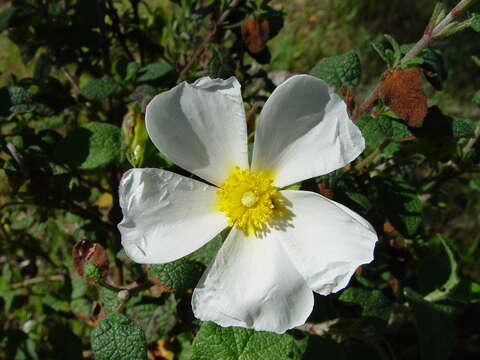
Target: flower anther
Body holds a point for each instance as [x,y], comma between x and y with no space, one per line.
[249,200]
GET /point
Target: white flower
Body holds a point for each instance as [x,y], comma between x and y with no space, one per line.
[283,243]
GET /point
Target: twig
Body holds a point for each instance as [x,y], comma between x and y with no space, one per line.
[429,35]
[472,141]
[208,39]
[318,329]
[18,159]
[58,277]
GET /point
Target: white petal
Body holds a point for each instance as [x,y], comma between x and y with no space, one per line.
[325,240]
[304,131]
[166,216]
[201,127]
[252,283]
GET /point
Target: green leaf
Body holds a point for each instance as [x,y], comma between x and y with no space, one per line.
[476,97]
[178,275]
[435,327]
[340,70]
[208,251]
[5,16]
[154,71]
[118,338]
[463,128]
[132,70]
[453,280]
[156,320]
[99,89]
[233,343]
[374,303]
[377,130]
[475,22]
[91,146]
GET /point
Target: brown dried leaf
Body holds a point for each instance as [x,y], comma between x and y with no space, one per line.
[86,251]
[255,33]
[401,90]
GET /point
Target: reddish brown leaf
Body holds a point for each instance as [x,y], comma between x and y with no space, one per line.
[255,33]
[401,90]
[394,284]
[389,229]
[85,252]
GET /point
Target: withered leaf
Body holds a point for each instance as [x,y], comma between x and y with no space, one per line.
[86,251]
[401,90]
[255,33]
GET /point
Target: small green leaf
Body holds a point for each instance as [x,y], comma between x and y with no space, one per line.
[374,303]
[132,70]
[118,338]
[476,97]
[99,89]
[233,343]
[154,71]
[340,70]
[178,275]
[475,22]
[91,146]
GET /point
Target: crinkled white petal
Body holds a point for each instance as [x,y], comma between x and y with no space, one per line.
[325,240]
[304,131]
[201,127]
[252,283]
[166,216]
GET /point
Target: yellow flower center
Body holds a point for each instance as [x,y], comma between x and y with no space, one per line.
[249,200]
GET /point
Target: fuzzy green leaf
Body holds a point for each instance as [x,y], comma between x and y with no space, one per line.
[178,275]
[435,327]
[118,338]
[340,70]
[90,146]
[154,71]
[156,320]
[99,89]
[373,302]
[233,343]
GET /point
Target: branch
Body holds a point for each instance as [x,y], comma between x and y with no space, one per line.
[472,141]
[58,277]
[429,35]
[210,36]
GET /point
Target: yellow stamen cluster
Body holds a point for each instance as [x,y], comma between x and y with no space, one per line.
[248,199]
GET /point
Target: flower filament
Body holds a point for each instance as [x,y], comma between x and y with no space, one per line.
[248,199]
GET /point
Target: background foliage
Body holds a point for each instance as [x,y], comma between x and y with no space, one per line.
[75,77]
